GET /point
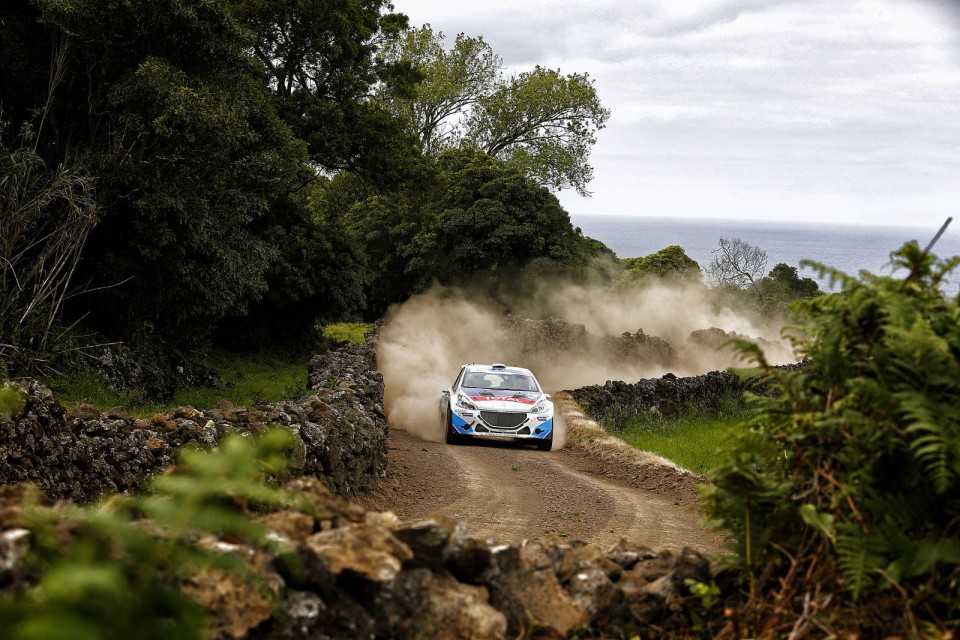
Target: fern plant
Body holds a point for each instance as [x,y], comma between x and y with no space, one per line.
[114,570]
[849,480]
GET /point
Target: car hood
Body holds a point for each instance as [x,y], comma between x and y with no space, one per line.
[494,400]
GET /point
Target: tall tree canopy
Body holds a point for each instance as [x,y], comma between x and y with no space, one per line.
[670,262]
[200,157]
[540,121]
[319,62]
[257,166]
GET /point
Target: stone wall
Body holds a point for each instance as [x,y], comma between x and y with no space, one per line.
[83,454]
[555,336]
[335,571]
[615,403]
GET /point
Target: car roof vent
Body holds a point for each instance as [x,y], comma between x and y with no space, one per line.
[497,365]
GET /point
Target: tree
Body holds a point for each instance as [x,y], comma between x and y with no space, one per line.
[739,264]
[670,262]
[541,122]
[479,221]
[451,83]
[318,61]
[493,221]
[787,276]
[187,115]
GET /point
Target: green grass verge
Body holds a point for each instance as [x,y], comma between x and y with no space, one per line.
[693,441]
[347,331]
[248,379]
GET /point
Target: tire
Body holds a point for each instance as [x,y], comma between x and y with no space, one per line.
[546,444]
[452,437]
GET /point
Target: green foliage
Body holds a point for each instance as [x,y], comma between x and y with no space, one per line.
[114,570]
[480,222]
[692,439]
[451,82]
[45,217]
[318,60]
[352,332]
[248,379]
[11,401]
[850,474]
[541,122]
[204,131]
[671,262]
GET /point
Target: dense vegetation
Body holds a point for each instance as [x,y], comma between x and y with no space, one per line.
[183,172]
[690,438]
[846,489]
[119,569]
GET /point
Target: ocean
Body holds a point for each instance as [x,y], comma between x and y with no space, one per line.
[849,248]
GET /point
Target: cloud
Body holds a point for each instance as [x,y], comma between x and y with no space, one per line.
[754,85]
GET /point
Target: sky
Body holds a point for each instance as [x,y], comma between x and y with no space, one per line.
[809,110]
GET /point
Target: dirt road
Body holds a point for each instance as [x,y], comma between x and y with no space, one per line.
[510,492]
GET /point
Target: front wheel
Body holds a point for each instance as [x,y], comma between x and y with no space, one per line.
[452,437]
[546,444]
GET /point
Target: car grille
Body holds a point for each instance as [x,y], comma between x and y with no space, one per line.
[503,419]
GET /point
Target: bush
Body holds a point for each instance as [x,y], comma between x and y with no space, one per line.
[11,401]
[114,570]
[849,479]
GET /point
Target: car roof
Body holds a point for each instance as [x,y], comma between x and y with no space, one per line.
[497,368]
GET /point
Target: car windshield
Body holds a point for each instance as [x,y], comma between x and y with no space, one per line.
[499,381]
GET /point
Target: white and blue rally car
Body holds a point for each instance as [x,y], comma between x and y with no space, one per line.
[494,400]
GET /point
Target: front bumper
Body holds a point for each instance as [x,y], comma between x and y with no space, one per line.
[501,424]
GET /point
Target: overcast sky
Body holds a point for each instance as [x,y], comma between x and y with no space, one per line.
[844,111]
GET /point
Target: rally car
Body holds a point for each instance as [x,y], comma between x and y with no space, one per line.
[497,401]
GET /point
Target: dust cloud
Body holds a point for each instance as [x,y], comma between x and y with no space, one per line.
[428,338]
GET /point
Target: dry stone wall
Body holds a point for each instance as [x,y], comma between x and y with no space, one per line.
[83,454]
[616,403]
[348,573]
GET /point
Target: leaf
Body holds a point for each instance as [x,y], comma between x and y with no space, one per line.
[822,522]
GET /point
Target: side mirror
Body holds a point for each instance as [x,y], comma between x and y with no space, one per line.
[547,396]
[445,392]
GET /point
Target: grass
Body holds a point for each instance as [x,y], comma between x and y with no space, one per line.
[347,331]
[692,440]
[248,379]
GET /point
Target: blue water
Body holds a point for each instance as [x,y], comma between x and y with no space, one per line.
[849,248]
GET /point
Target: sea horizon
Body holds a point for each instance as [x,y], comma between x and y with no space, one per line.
[848,247]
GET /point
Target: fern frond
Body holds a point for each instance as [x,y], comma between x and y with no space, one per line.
[859,556]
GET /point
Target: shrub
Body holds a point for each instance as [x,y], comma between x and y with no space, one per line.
[848,482]
[11,401]
[114,570]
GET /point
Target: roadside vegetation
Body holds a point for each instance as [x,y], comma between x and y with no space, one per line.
[245,380]
[693,440]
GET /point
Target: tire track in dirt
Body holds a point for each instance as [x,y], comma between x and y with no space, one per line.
[510,492]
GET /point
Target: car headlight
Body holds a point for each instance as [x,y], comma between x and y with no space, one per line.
[540,407]
[463,403]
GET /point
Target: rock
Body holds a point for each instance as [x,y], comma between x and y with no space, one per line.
[293,525]
[536,597]
[429,540]
[421,604]
[83,455]
[371,552]
[234,606]
[627,554]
